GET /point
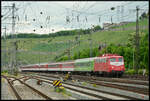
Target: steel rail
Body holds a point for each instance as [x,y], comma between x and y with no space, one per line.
[115,80]
[98,96]
[14,90]
[108,79]
[122,87]
[35,90]
[128,97]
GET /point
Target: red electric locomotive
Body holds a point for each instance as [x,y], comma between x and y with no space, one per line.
[112,64]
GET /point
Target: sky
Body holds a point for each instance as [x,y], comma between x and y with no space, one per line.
[45,17]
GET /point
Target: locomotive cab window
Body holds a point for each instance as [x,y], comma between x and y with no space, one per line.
[120,60]
[112,59]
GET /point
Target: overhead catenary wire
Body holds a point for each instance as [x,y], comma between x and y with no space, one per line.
[38,23]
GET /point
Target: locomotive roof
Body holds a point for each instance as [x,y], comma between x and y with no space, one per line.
[108,54]
[112,56]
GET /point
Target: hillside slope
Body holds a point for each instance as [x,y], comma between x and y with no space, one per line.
[35,50]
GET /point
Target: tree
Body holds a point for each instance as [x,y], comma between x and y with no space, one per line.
[112,8]
[144,15]
[96,28]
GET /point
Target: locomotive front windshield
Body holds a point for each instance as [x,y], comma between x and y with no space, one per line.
[112,59]
[120,60]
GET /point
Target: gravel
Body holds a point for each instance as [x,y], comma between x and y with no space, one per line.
[49,90]
[114,90]
[27,93]
[6,92]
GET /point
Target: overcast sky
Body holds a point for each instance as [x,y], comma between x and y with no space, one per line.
[52,15]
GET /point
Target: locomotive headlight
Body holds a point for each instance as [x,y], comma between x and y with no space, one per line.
[112,67]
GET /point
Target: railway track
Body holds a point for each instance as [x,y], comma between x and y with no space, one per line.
[136,77]
[131,89]
[132,79]
[10,81]
[118,80]
[13,89]
[85,90]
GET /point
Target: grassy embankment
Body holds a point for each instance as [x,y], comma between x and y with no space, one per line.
[46,49]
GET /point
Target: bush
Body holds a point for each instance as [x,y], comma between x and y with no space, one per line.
[5,71]
[94,85]
[131,71]
[140,71]
[84,83]
[15,72]
[60,90]
[147,72]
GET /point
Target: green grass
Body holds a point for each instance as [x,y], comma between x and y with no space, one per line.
[31,58]
[84,83]
[143,22]
[94,85]
[51,47]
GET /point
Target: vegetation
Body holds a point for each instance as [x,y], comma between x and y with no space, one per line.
[94,85]
[63,91]
[84,83]
[140,72]
[58,89]
[5,71]
[56,34]
[130,71]
[48,48]
[143,16]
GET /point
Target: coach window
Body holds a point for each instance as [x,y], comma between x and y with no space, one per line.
[96,60]
[67,65]
[52,65]
[100,60]
[104,60]
[78,64]
[85,64]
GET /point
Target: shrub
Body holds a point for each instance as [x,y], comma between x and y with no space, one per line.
[84,83]
[5,71]
[140,71]
[147,72]
[60,90]
[94,85]
[131,71]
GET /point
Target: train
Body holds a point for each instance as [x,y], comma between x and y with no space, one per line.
[109,64]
